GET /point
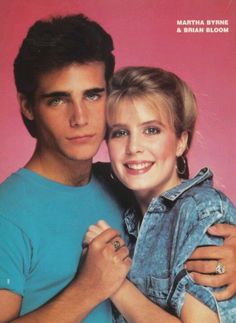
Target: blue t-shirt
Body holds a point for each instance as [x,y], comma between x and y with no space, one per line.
[42,224]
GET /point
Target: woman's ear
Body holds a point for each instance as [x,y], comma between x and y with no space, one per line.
[182,144]
[25,107]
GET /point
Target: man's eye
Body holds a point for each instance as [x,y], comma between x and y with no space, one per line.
[152,131]
[93,96]
[118,133]
[55,101]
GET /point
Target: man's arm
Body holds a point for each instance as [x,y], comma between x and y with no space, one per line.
[93,284]
[72,305]
[194,311]
[10,304]
[203,261]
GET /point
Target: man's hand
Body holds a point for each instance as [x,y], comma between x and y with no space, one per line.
[203,262]
[105,265]
[101,273]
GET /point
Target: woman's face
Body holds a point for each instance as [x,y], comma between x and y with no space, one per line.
[143,146]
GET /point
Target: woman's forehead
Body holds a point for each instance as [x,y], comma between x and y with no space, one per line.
[155,104]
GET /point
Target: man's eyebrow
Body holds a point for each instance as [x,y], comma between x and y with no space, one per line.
[95,90]
[67,94]
[54,94]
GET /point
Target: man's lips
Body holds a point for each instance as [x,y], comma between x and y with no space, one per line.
[81,138]
[138,167]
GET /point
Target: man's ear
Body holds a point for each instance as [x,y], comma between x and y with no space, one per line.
[25,107]
[182,144]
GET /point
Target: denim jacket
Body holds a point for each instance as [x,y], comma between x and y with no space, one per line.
[173,226]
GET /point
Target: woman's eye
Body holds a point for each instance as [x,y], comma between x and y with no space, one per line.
[152,131]
[118,133]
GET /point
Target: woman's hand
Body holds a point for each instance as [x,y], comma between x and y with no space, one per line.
[94,231]
[202,263]
[105,261]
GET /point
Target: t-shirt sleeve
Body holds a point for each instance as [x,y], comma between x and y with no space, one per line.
[194,234]
[14,257]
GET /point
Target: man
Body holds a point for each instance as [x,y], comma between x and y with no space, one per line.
[61,73]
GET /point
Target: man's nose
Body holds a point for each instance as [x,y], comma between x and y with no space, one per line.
[78,115]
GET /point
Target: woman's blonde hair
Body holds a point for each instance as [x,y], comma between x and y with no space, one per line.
[140,82]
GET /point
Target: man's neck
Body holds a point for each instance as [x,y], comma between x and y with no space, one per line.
[61,170]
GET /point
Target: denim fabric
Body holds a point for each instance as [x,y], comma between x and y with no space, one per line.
[173,226]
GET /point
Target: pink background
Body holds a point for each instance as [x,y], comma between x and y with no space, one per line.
[144,33]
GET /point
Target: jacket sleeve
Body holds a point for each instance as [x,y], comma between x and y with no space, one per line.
[195,217]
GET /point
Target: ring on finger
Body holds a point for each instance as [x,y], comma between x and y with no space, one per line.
[116,244]
[220,268]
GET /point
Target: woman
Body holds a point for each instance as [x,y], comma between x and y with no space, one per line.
[151,115]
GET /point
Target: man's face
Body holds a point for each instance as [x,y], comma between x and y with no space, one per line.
[69,111]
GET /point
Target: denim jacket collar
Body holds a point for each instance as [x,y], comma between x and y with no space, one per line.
[174,193]
[131,218]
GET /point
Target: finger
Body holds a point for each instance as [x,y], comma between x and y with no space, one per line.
[209,252]
[227,293]
[128,261]
[210,280]
[102,225]
[117,254]
[84,250]
[94,228]
[222,230]
[123,253]
[85,245]
[106,236]
[117,243]
[89,237]
[204,267]
[91,234]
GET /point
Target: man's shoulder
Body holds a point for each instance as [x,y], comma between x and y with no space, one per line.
[12,196]
[12,184]
[17,192]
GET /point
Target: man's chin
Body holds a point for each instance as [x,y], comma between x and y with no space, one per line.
[80,157]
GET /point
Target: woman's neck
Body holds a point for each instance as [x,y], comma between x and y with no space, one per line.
[145,197]
[143,201]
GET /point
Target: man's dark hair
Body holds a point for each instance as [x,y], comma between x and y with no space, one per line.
[56,43]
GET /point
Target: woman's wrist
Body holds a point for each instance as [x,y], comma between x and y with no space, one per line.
[121,291]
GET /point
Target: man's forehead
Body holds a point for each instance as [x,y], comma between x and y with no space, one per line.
[75,76]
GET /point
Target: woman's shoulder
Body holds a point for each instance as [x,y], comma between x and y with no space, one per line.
[207,199]
[201,188]
[198,190]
